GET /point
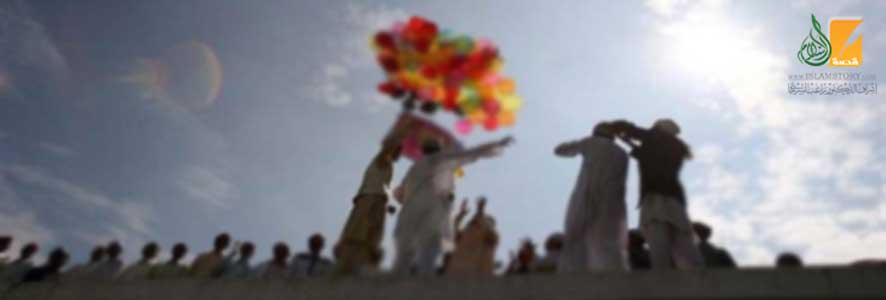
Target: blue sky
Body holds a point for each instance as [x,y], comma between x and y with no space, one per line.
[87,156]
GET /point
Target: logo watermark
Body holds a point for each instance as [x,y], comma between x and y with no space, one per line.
[836,49]
[832,83]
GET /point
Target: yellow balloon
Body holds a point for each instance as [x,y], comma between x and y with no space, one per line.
[511,103]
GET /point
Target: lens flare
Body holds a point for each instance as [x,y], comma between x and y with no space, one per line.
[189,74]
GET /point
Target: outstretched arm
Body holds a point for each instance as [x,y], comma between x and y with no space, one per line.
[627,129]
[569,149]
[629,133]
[470,155]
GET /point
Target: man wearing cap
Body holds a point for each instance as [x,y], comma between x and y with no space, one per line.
[663,217]
[426,194]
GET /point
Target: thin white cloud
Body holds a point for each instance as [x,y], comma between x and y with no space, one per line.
[125,217]
[24,228]
[354,55]
[207,186]
[24,43]
[56,149]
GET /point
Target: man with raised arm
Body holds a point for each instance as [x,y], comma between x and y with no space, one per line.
[663,217]
[427,195]
[475,245]
[596,226]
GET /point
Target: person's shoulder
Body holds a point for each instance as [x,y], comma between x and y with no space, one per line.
[202,257]
[722,252]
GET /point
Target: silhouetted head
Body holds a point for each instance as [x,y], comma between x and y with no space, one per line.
[554,243]
[246,250]
[635,239]
[788,260]
[178,251]
[666,125]
[114,250]
[702,230]
[430,147]
[5,241]
[281,252]
[97,254]
[222,241]
[316,243]
[526,255]
[149,251]
[28,251]
[604,130]
[57,259]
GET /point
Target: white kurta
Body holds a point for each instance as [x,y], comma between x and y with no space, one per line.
[596,227]
[424,227]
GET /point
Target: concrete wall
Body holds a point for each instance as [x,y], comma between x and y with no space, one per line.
[830,283]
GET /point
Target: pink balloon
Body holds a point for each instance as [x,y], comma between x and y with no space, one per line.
[463,126]
[398,27]
[426,93]
[491,79]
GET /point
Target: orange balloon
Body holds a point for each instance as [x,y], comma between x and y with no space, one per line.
[477,116]
[506,118]
[507,86]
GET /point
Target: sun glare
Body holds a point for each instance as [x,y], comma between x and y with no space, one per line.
[703,45]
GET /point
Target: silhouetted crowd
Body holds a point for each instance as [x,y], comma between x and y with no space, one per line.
[234,261]
[222,261]
[428,240]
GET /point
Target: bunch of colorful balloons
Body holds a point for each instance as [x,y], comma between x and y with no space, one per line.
[438,69]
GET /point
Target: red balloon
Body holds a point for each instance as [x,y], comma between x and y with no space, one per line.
[420,33]
[428,72]
[388,62]
[450,101]
[391,89]
[490,124]
[385,40]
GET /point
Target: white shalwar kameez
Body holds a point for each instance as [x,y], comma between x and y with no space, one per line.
[596,227]
[424,226]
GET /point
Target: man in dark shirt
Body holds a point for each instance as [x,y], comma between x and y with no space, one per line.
[663,217]
[714,257]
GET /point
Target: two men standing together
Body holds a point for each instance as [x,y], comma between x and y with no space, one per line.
[596,226]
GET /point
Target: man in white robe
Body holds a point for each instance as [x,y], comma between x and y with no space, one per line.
[426,194]
[596,227]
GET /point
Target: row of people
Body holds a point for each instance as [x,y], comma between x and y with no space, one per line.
[105,263]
